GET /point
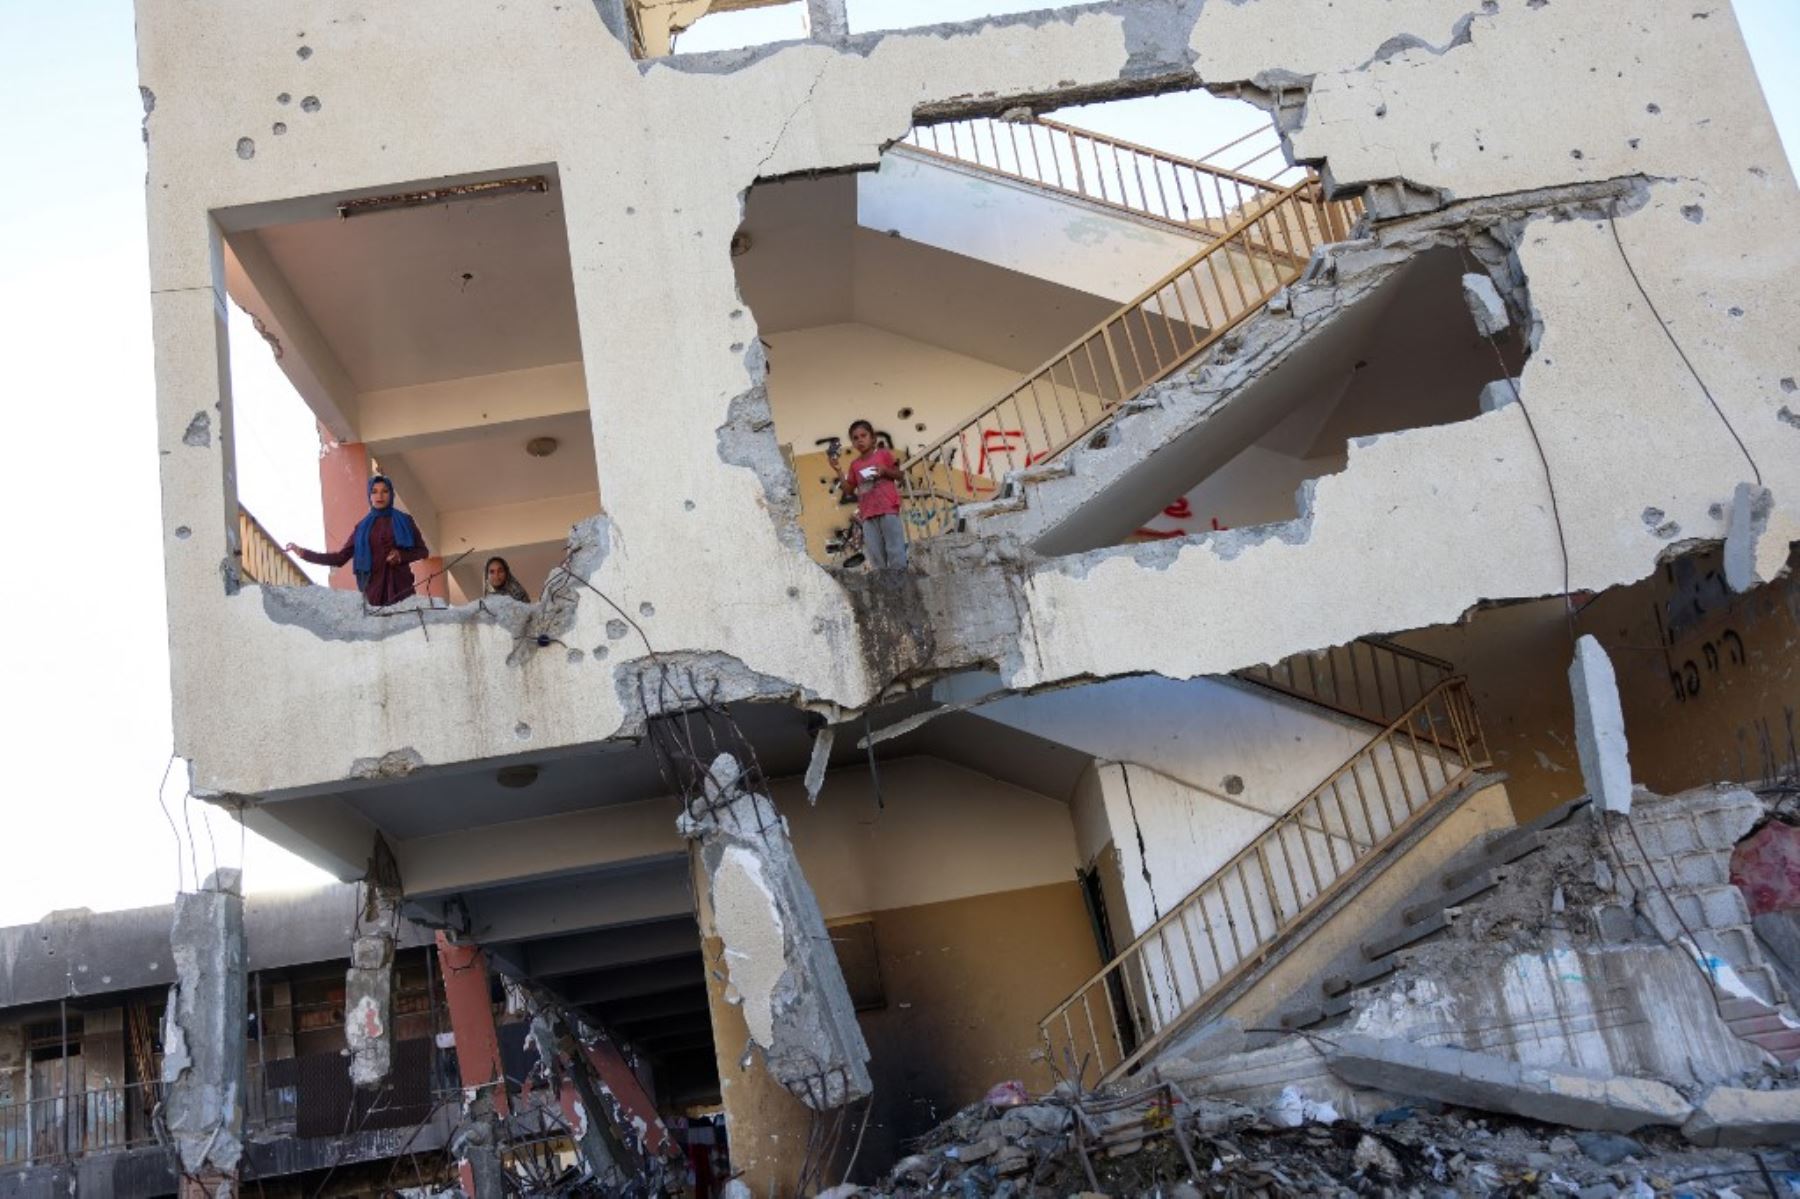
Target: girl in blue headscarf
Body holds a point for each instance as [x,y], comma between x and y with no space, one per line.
[384,545]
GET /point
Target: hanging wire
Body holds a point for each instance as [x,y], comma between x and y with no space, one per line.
[1685,360]
[1562,540]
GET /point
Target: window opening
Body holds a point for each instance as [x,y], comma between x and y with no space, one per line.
[426,333]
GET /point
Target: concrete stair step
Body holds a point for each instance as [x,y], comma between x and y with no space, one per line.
[1502,851]
[1043,472]
[1482,883]
[1362,976]
[1331,1009]
[1410,935]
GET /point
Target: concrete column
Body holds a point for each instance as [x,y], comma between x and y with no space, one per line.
[203,1036]
[766,1126]
[369,989]
[344,492]
[772,982]
[468,996]
[829,20]
[430,579]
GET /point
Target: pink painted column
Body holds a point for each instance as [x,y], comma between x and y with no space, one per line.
[468,995]
[636,1103]
[430,579]
[469,998]
[344,490]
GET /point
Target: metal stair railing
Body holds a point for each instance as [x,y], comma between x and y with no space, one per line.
[1083,387]
[1234,921]
[1370,678]
[261,557]
[1198,196]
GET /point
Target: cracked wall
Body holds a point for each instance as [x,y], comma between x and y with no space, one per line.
[1451,98]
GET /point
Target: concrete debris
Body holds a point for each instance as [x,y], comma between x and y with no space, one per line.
[1161,1141]
[1485,305]
[369,988]
[1749,520]
[588,1113]
[1600,727]
[203,1028]
[1606,1148]
[783,970]
[1740,1116]
[1572,1098]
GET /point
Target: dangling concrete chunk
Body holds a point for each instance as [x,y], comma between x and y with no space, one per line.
[1485,304]
[779,957]
[1600,727]
[203,1029]
[1750,508]
[369,988]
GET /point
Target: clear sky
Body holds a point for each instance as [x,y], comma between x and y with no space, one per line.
[84,658]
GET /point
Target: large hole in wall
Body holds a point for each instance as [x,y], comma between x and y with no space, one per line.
[1407,357]
[425,332]
[924,296]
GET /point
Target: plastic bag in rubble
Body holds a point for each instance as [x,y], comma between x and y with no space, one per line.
[1008,1094]
[1293,1109]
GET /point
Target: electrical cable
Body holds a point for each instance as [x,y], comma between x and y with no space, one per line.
[1685,361]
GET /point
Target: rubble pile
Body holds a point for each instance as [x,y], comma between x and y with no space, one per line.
[1161,1142]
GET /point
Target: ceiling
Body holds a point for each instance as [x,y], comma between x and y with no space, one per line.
[420,295]
[442,800]
[495,469]
[809,263]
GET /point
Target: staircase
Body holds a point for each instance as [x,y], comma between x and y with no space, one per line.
[1426,749]
[1201,197]
[1257,238]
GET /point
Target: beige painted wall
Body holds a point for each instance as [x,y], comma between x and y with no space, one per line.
[1737,664]
[823,378]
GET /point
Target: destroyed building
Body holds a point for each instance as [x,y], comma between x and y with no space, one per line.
[82,1049]
[1291,525]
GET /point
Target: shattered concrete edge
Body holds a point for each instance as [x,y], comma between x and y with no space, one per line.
[203,1027]
[1579,1099]
[783,970]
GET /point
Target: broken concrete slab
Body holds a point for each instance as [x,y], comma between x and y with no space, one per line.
[1485,305]
[1576,1098]
[783,970]
[1736,1116]
[1749,520]
[1600,727]
[203,1028]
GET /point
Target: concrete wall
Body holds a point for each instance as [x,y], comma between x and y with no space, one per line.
[821,379]
[967,982]
[1707,681]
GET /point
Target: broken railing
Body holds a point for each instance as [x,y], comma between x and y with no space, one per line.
[108,1119]
[1370,678]
[1233,922]
[262,558]
[1201,195]
[1080,389]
